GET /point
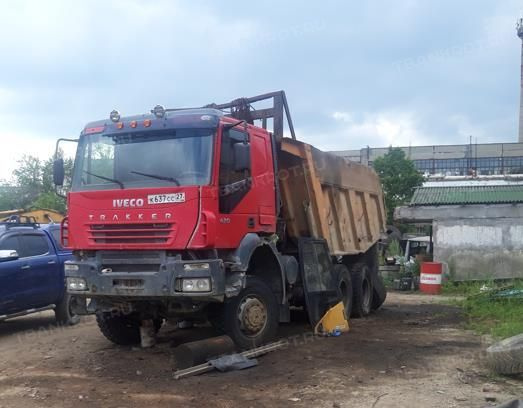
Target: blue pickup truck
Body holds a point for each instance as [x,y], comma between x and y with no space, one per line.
[32,272]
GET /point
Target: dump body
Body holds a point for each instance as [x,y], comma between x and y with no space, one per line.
[326,197]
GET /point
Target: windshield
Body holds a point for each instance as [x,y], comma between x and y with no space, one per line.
[180,157]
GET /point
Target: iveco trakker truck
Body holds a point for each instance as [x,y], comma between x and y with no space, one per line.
[199,214]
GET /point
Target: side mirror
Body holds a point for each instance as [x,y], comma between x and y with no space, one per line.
[8,255]
[242,156]
[58,172]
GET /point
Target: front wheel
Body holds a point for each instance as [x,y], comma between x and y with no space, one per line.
[122,329]
[64,311]
[251,318]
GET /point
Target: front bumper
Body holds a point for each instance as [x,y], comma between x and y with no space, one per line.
[163,284]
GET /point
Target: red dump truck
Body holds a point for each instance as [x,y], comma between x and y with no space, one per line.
[199,214]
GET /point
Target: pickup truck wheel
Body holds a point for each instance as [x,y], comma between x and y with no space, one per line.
[251,318]
[64,311]
[362,290]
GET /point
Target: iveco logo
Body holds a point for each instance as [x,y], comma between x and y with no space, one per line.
[128,202]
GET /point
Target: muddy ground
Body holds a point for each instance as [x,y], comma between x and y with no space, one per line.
[412,353]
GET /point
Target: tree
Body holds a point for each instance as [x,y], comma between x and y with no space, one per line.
[28,178]
[8,197]
[398,177]
[32,185]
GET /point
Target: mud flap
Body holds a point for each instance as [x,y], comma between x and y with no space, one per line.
[317,275]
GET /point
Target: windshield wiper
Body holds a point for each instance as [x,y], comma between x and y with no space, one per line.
[157,176]
[106,178]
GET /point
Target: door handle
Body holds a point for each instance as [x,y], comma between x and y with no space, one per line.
[26,267]
[51,262]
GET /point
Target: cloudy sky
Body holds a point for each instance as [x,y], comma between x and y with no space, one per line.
[372,73]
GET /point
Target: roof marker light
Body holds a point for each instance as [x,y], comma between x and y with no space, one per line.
[96,129]
[134,124]
[119,125]
[114,115]
[158,111]
[147,122]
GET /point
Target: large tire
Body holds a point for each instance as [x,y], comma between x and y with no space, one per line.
[119,329]
[362,290]
[379,293]
[506,356]
[251,318]
[64,311]
[123,330]
[344,286]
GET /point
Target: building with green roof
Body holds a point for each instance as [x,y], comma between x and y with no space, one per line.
[477,225]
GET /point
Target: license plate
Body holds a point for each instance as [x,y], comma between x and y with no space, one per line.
[166,198]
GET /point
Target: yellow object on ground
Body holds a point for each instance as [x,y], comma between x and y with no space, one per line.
[334,322]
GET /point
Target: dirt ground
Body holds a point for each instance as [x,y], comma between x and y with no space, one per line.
[411,353]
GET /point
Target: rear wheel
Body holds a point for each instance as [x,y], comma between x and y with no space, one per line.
[379,292]
[345,292]
[251,318]
[362,290]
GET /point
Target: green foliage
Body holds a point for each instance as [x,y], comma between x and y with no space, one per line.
[414,268]
[32,185]
[394,249]
[8,197]
[485,314]
[398,177]
[50,200]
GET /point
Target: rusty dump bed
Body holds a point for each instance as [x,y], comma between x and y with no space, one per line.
[325,196]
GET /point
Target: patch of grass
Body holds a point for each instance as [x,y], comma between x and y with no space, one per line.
[464,288]
[487,314]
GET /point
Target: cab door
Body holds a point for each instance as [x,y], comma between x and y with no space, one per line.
[41,280]
[246,185]
[237,199]
[9,272]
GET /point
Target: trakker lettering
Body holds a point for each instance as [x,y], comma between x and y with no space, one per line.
[130,217]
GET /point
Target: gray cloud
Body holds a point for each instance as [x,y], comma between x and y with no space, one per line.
[401,72]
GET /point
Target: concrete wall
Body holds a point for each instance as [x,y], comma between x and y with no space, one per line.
[481,248]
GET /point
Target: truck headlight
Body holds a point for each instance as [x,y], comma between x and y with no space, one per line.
[196,285]
[76,284]
[71,267]
[195,266]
